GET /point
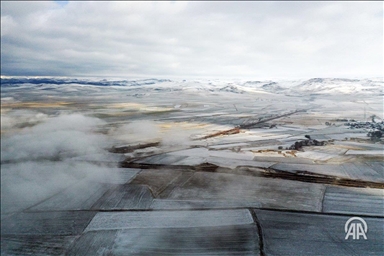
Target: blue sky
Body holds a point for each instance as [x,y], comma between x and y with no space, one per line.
[61,3]
[192,39]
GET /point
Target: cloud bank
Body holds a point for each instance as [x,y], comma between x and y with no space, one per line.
[192,39]
[45,157]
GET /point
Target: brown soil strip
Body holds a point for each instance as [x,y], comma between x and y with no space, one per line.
[129,149]
[226,132]
[204,167]
[35,104]
[311,177]
[303,176]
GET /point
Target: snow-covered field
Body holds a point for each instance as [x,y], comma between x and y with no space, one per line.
[118,167]
[58,131]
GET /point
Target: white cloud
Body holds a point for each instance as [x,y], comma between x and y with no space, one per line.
[56,138]
[216,39]
[41,160]
[137,131]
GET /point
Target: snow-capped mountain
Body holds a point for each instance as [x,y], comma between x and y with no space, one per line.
[287,87]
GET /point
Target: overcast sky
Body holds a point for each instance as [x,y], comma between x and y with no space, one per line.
[192,39]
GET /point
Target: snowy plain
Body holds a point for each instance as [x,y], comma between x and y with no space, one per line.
[58,120]
[199,158]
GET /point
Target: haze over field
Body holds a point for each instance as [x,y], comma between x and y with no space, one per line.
[57,132]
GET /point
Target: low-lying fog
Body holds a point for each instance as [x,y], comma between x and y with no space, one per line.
[37,160]
[42,154]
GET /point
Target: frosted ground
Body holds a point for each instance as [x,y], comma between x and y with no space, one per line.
[110,166]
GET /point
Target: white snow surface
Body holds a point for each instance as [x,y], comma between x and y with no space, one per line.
[288,87]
